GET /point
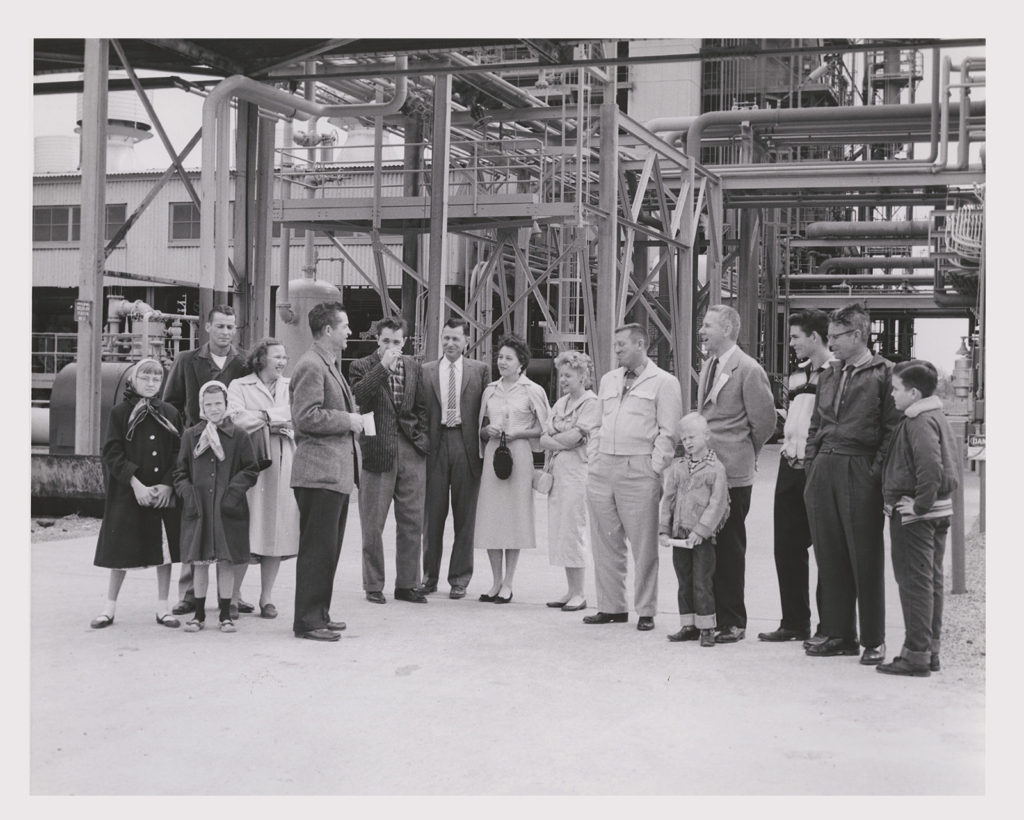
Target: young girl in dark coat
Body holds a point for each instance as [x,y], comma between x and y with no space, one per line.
[139,454]
[216,466]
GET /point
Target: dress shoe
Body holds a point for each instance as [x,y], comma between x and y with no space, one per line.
[687,633]
[336,626]
[873,655]
[730,634]
[833,646]
[645,623]
[458,592]
[183,608]
[581,605]
[426,587]
[899,666]
[319,635]
[487,599]
[499,600]
[783,634]
[934,664]
[410,595]
[606,618]
[245,607]
[707,637]
[376,597]
[817,637]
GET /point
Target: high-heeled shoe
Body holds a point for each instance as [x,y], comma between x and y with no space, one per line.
[499,600]
[577,608]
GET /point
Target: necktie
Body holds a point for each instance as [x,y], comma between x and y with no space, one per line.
[628,376]
[843,381]
[712,368]
[449,418]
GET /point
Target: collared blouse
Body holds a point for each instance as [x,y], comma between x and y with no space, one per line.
[515,409]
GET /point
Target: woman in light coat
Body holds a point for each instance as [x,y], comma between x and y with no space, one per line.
[259,404]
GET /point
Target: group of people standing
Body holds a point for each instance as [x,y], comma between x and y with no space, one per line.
[238,463]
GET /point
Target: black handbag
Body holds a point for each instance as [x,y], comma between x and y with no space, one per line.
[502,460]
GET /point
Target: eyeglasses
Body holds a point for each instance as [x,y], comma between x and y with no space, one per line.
[833,336]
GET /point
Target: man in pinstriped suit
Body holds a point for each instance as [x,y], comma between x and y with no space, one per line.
[394,460]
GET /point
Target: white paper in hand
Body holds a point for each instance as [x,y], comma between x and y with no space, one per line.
[369,427]
[685,543]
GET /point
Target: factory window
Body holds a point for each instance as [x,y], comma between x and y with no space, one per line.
[184,221]
[63,223]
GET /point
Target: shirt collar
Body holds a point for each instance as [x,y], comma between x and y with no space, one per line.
[727,355]
[862,360]
[325,351]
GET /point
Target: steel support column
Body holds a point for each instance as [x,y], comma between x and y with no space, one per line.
[244,217]
[605,319]
[747,281]
[682,302]
[91,255]
[259,316]
[438,253]
[411,241]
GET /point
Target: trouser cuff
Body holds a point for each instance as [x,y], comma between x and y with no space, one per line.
[706,621]
[919,659]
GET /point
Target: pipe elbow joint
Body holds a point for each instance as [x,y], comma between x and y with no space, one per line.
[286,314]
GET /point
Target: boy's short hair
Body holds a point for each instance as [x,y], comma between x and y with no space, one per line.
[323,315]
[811,321]
[636,332]
[692,418]
[224,310]
[918,373]
[395,323]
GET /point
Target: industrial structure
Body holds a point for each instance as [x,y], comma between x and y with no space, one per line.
[552,188]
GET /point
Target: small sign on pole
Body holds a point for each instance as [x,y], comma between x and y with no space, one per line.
[83,310]
[976,447]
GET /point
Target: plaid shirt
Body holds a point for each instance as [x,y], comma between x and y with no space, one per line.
[396,379]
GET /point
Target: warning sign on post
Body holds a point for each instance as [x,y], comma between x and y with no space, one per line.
[976,447]
[83,310]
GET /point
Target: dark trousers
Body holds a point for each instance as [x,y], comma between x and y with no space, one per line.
[322,515]
[695,569]
[844,509]
[731,561]
[917,552]
[448,471]
[792,542]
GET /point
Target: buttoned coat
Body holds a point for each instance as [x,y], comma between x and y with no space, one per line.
[475,377]
[327,455]
[371,387]
[191,370]
[215,512]
[740,412]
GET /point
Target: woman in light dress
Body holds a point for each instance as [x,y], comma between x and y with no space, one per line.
[259,405]
[566,435]
[504,512]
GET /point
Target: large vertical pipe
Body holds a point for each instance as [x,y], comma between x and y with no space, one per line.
[91,256]
[243,218]
[309,256]
[747,284]
[957,526]
[413,162]
[437,277]
[605,319]
[259,316]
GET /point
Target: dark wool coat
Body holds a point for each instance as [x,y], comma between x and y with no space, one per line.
[215,513]
[194,368]
[130,535]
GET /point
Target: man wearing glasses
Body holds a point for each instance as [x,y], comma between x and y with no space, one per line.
[853,420]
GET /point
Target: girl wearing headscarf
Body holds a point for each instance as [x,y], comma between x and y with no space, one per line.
[141,523]
[216,466]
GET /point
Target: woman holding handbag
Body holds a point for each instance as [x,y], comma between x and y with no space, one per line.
[259,404]
[512,412]
[566,434]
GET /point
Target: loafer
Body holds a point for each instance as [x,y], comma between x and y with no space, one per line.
[336,626]
[782,634]
[873,655]
[606,618]
[410,595]
[376,597]
[103,621]
[457,592]
[645,623]
[245,607]
[687,633]
[268,611]
[730,634]
[183,608]
[831,647]
[899,666]
[319,635]
[426,588]
[707,637]
[577,608]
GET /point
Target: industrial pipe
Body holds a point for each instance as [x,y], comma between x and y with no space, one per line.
[868,230]
[216,146]
[886,262]
[880,279]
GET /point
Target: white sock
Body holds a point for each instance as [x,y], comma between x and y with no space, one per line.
[109,607]
[162,608]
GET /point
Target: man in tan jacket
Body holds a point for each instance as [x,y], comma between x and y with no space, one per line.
[325,469]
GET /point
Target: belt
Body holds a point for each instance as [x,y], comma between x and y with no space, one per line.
[451,426]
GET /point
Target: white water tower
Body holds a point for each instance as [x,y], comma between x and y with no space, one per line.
[127,124]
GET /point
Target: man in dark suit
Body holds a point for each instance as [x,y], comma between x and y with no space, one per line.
[216,359]
[455,387]
[390,386]
[733,394]
[325,469]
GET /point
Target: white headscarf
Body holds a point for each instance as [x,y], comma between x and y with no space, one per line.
[209,439]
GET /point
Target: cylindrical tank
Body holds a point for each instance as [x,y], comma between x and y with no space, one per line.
[303,295]
[62,403]
[40,426]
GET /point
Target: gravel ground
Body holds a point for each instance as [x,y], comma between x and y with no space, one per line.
[69,526]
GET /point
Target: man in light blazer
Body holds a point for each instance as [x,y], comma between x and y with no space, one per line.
[455,387]
[390,386]
[734,396]
[325,469]
[641,405]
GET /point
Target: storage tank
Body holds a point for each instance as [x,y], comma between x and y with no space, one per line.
[127,124]
[303,295]
[62,403]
